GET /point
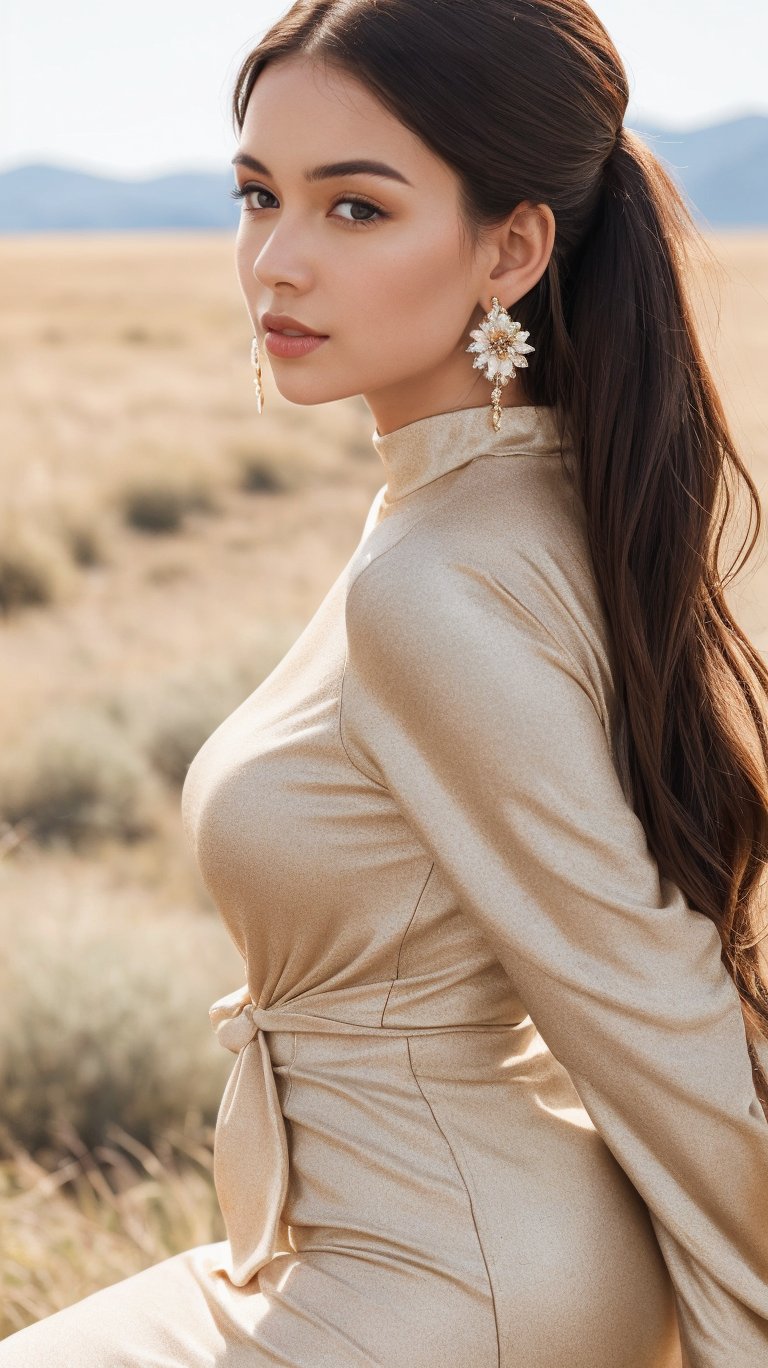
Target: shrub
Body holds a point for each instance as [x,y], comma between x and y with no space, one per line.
[83,534]
[76,517]
[33,568]
[259,476]
[135,334]
[85,543]
[104,1021]
[277,464]
[75,776]
[159,503]
[154,508]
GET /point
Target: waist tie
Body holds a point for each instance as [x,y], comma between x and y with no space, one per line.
[250,1157]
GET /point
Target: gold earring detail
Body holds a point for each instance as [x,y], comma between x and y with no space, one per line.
[500,347]
[255,362]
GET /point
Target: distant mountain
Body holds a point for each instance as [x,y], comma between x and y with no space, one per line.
[722,168]
[42,198]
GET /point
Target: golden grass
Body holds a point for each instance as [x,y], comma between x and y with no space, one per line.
[124,365]
[102,1215]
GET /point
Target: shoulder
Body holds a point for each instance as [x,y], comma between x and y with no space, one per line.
[500,567]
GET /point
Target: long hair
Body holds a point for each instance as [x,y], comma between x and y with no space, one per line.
[525,100]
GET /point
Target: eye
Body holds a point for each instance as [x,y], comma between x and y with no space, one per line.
[364,204]
[251,189]
[245,192]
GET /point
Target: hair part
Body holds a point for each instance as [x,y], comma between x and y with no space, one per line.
[529,107]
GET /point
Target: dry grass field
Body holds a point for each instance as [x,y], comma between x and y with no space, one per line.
[161,546]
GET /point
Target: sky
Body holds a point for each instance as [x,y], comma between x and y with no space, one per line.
[143,89]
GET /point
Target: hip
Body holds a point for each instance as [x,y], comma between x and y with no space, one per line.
[468,1158]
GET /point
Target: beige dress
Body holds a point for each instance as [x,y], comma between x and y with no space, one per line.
[491,1104]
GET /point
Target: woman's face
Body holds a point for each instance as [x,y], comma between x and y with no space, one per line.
[394,287]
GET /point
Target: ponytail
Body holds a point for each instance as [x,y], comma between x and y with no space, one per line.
[655,457]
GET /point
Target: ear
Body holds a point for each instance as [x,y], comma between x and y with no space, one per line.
[519,251]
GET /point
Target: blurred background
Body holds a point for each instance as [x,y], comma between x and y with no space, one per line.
[162,545]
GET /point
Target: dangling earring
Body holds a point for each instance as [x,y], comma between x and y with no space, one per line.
[257,377]
[500,346]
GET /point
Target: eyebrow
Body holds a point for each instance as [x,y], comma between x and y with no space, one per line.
[358,167]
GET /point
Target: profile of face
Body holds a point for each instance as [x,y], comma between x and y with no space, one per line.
[377,263]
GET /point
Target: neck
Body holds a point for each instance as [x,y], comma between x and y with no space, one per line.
[424,450]
[422,401]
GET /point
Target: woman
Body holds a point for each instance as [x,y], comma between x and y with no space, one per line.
[490,837]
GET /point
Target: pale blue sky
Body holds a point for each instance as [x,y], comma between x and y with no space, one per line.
[144,88]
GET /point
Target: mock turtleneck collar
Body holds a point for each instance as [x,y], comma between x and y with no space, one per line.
[422,451]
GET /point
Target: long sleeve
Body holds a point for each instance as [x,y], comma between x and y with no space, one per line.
[491,738]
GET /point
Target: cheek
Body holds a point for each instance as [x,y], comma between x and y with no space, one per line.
[412,287]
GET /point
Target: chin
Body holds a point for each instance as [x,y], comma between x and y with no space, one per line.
[304,393]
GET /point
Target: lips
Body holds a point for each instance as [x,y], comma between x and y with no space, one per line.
[283,323]
[281,344]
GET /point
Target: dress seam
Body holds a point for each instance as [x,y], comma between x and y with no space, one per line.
[408,926]
[469,1199]
[475,1200]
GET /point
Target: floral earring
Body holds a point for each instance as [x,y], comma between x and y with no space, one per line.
[500,347]
[257,377]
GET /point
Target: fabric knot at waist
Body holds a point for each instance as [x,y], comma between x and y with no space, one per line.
[235,1032]
[250,1153]
[250,1158]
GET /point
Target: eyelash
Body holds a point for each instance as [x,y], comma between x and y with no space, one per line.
[250,189]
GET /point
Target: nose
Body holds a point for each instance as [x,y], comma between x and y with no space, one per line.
[281,261]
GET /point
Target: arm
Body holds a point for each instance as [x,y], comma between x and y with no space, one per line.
[488,735]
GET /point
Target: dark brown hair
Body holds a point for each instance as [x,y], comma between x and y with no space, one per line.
[524,100]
